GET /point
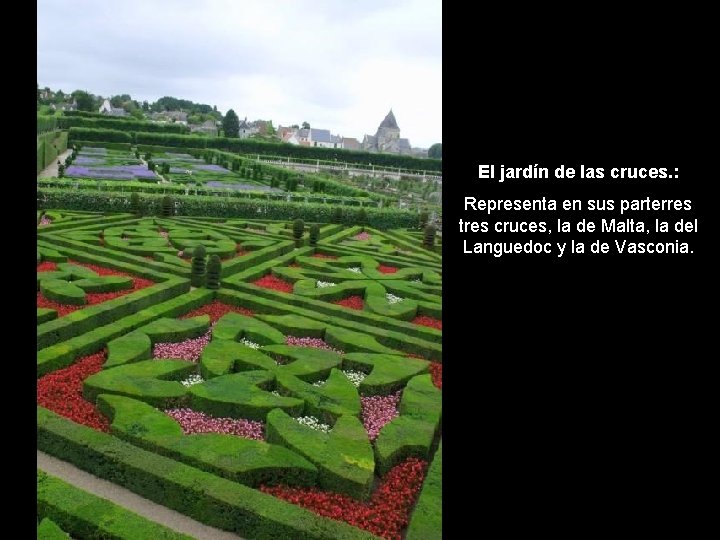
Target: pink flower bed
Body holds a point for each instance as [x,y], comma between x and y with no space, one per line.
[190,349]
[197,422]
[376,411]
[362,236]
[315,343]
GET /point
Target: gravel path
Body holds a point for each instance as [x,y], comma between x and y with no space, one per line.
[52,169]
[119,495]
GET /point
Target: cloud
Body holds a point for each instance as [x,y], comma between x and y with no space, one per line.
[338,65]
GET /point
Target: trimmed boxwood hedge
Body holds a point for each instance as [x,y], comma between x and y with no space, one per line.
[426,519]
[247,461]
[406,337]
[203,496]
[228,207]
[119,124]
[84,515]
[88,341]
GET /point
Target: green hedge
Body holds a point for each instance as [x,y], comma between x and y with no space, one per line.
[46,123]
[99,135]
[84,515]
[344,457]
[379,218]
[180,190]
[247,461]
[203,496]
[49,145]
[119,124]
[48,530]
[250,146]
[426,520]
[90,341]
[93,317]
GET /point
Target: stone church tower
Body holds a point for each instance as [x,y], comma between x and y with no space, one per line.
[387,138]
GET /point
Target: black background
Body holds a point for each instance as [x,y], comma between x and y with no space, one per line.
[571,385]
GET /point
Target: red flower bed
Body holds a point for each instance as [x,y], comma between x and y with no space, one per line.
[436,373]
[387,269]
[352,302]
[61,392]
[323,256]
[216,310]
[424,320]
[386,514]
[47,266]
[93,298]
[274,283]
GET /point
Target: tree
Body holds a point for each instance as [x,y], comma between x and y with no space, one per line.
[305,125]
[231,124]
[435,151]
[85,101]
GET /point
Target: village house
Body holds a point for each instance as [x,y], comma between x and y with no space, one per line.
[109,110]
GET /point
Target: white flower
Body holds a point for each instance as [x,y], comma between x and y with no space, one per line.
[392,299]
[355,377]
[192,379]
[323,284]
[319,383]
[313,423]
[417,280]
[249,343]
[276,393]
[355,269]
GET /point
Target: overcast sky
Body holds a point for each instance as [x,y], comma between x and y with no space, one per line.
[339,65]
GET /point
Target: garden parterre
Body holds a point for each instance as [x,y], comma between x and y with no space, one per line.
[283,399]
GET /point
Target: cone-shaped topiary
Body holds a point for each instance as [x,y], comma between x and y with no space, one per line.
[423,219]
[429,237]
[214,270]
[298,230]
[314,234]
[362,216]
[168,206]
[197,273]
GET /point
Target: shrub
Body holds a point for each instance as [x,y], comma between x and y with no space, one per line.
[362,217]
[168,206]
[298,230]
[197,273]
[61,170]
[337,215]
[314,234]
[135,204]
[214,271]
[423,219]
[429,237]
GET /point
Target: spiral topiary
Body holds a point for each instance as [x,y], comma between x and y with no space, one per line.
[298,230]
[314,234]
[197,272]
[429,237]
[214,271]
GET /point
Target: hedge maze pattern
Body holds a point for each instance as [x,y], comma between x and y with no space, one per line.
[320,355]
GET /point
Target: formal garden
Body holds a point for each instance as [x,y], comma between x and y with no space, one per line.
[265,360]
